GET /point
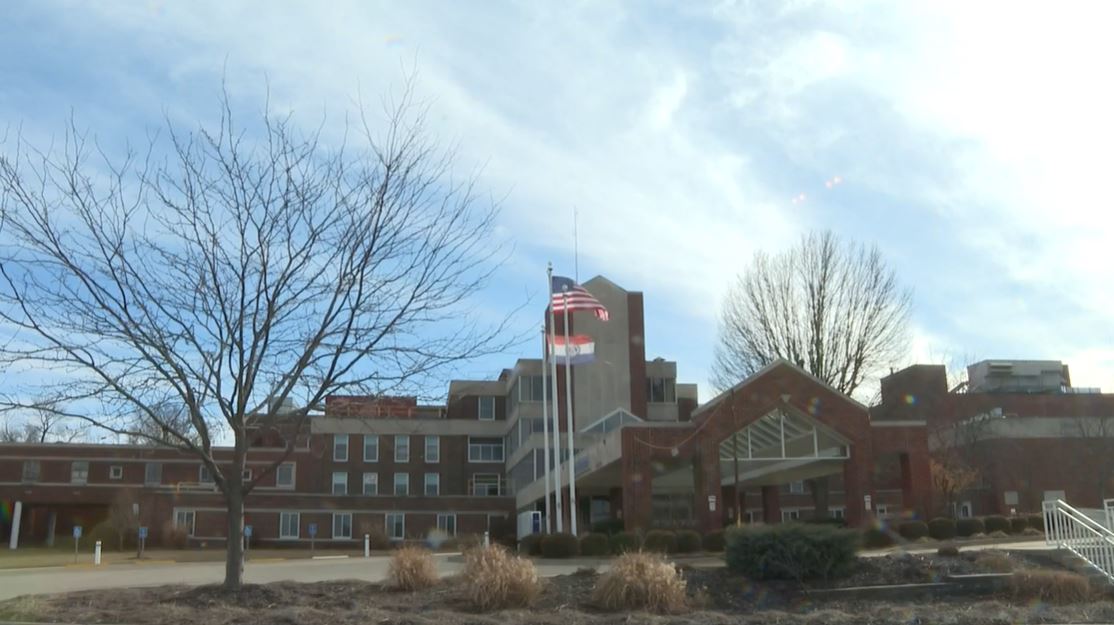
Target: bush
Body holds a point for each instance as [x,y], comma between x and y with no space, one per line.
[1018,525]
[791,551]
[609,527]
[377,539]
[641,581]
[993,562]
[998,534]
[912,530]
[623,542]
[412,568]
[969,527]
[996,524]
[688,541]
[828,520]
[1036,521]
[941,529]
[714,541]
[531,545]
[494,579]
[560,546]
[660,541]
[174,537]
[1050,586]
[877,538]
[594,545]
[948,551]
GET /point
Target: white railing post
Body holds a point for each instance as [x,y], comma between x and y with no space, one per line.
[97,554]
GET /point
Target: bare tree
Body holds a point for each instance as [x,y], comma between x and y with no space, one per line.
[956,461]
[123,515]
[232,269]
[833,308]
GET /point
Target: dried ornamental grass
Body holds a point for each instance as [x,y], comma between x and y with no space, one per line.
[412,568]
[1050,586]
[494,579]
[993,562]
[641,581]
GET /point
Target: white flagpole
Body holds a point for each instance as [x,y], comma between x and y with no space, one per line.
[568,420]
[558,511]
[545,426]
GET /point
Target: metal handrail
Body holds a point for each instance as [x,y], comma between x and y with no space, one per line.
[1068,528]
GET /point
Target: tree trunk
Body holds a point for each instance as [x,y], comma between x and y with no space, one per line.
[819,489]
[234,558]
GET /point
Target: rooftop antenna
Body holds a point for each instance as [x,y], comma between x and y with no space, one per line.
[575,249]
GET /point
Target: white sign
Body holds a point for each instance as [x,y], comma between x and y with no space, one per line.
[712,503]
[866,501]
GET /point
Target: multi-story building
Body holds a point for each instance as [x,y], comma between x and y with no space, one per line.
[778,446]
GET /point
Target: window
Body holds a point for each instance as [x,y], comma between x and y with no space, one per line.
[79,472]
[790,515]
[185,519]
[660,390]
[340,448]
[447,523]
[485,484]
[530,388]
[371,448]
[837,513]
[396,525]
[402,448]
[797,488]
[289,522]
[284,475]
[371,483]
[342,525]
[31,470]
[246,475]
[486,408]
[432,484]
[402,484]
[152,474]
[204,475]
[1011,497]
[485,449]
[433,449]
[881,510]
[340,483]
[115,472]
[753,516]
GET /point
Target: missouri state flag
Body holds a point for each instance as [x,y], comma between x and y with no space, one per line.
[580,348]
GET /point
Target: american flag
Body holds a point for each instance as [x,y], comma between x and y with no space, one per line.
[578,298]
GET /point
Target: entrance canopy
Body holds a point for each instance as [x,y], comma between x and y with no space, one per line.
[781,446]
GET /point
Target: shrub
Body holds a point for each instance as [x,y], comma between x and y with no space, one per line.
[877,538]
[1036,521]
[641,581]
[993,562]
[174,537]
[660,541]
[623,542]
[998,534]
[996,524]
[531,545]
[912,530]
[609,526]
[1050,586]
[969,527]
[791,551]
[560,546]
[377,539]
[941,529]
[688,541]
[714,541]
[1030,531]
[948,551]
[412,568]
[594,545]
[494,579]
[1018,524]
[828,520]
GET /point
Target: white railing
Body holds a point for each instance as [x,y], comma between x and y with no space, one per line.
[1108,508]
[1068,528]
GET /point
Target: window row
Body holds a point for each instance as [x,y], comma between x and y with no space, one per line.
[481,485]
[152,473]
[402,448]
[290,525]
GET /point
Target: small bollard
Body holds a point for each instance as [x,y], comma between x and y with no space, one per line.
[97,554]
[487,539]
[367,546]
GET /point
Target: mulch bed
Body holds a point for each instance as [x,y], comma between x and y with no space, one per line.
[717,597]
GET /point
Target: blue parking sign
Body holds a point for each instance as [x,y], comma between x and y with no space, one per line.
[143,532]
[247,531]
[77,531]
[312,529]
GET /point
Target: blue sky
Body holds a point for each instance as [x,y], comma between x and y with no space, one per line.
[972,144]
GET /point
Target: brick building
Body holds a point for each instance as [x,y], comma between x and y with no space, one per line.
[777,446]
